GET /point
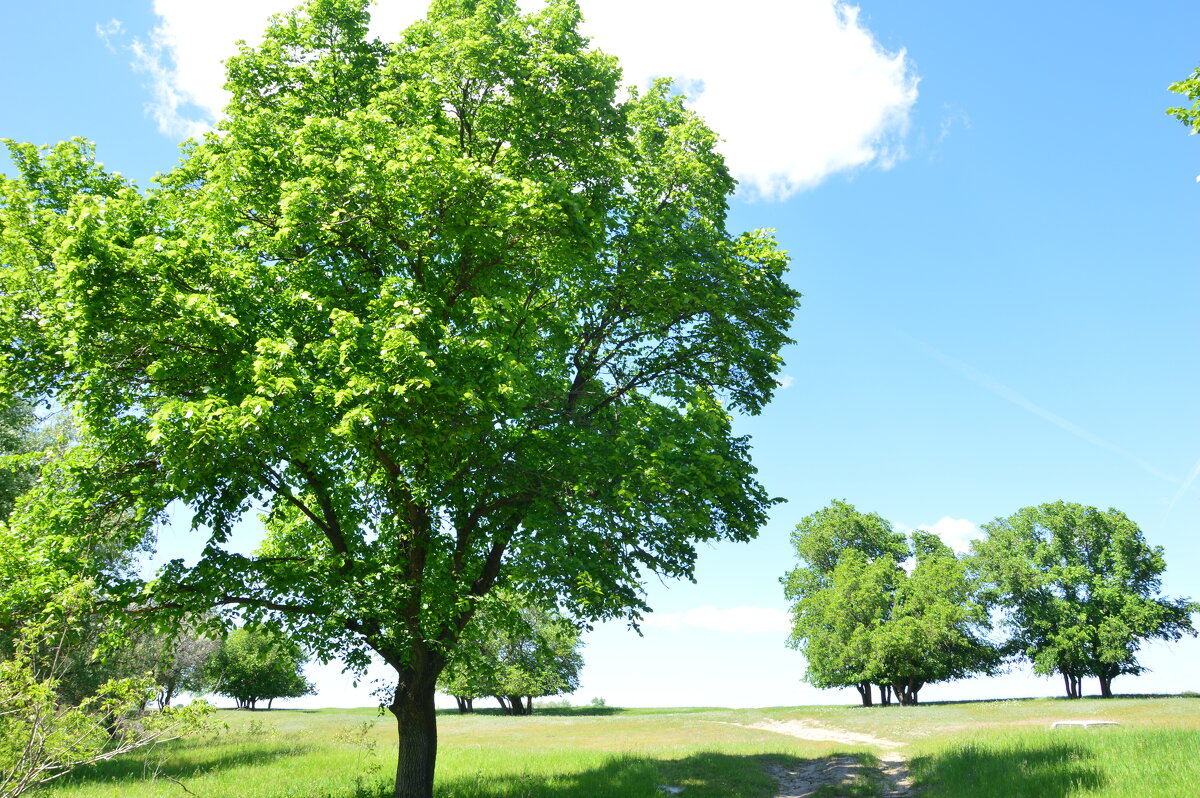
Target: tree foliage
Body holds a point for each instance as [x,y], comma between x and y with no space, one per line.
[19,438]
[1079,588]
[861,619]
[450,310]
[1189,88]
[515,651]
[257,665]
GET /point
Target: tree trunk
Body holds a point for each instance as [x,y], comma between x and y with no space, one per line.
[906,690]
[416,722]
[518,706]
[1074,685]
[504,707]
[465,705]
[270,701]
[885,694]
[864,692]
[1106,686]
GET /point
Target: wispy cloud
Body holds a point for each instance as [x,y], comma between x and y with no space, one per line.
[785,381]
[1008,394]
[1186,486]
[108,30]
[737,620]
[799,89]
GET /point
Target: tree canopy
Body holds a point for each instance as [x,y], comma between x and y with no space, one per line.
[1079,589]
[861,619]
[450,310]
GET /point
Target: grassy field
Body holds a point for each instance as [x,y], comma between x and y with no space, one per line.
[975,749]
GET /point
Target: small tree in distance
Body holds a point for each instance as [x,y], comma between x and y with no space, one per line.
[514,651]
[258,665]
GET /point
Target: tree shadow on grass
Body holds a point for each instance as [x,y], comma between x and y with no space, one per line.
[703,775]
[1054,770]
[161,762]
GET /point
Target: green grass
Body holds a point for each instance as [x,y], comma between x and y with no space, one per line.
[1040,763]
[976,749]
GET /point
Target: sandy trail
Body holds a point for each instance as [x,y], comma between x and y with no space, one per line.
[809,777]
[808,730]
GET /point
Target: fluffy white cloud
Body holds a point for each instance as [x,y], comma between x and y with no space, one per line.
[743,620]
[799,89]
[957,533]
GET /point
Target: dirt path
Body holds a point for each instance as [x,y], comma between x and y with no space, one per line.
[808,730]
[805,780]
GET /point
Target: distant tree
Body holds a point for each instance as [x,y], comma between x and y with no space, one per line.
[515,651]
[180,661]
[256,665]
[937,626]
[834,612]
[1079,589]
[861,619]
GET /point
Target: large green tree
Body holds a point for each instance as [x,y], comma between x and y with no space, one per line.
[1079,588]
[515,651]
[861,619]
[451,310]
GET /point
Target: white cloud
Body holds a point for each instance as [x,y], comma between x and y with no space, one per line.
[799,89]
[740,620]
[108,30]
[957,533]
[785,381]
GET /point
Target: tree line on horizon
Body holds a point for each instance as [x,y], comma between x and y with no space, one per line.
[1070,590]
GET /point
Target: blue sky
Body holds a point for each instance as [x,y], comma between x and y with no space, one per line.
[991,219]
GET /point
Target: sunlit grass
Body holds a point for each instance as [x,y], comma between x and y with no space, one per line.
[1041,763]
[1001,748]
